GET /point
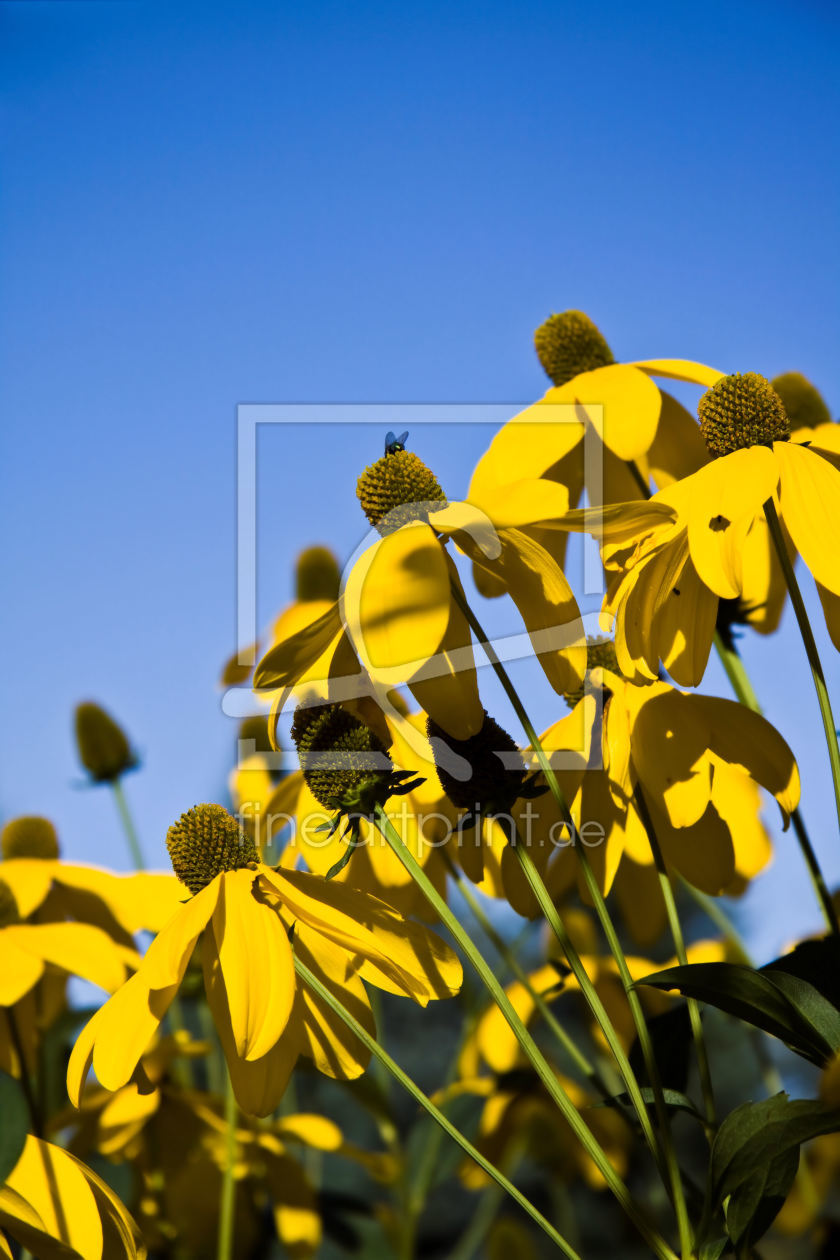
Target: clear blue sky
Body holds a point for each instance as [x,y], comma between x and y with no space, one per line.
[206,204]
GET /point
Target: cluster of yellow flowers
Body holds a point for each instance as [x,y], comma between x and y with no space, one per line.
[223,1119]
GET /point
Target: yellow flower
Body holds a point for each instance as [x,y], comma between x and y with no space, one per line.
[399,620]
[699,761]
[619,406]
[58,1209]
[244,913]
[671,571]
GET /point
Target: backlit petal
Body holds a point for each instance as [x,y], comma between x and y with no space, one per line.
[529,444]
[681,370]
[726,495]
[304,635]
[78,948]
[334,1048]
[169,953]
[746,739]
[445,686]
[810,506]
[257,967]
[396,603]
[20,970]
[54,1187]
[622,405]
[125,1026]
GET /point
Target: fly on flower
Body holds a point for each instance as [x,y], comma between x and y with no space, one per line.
[394,443]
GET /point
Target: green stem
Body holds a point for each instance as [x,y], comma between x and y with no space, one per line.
[668,1165]
[381,1055]
[227,1200]
[740,682]
[128,826]
[509,958]
[534,1055]
[810,647]
[29,1093]
[679,946]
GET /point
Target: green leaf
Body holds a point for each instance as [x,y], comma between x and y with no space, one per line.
[817,962]
[15,1126]
[755,1157]
[796,1013]
[714,1249]
[674,1101]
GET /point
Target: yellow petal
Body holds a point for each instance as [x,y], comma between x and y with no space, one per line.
[684,627]
[446,686]
[809,499]
[726,496]
[678,449]
[622,404]
[681,370]
[257,967]
[169,953]
[258,1084]
[414,958]
[125,1026]
[541,592]
[333,1047]
[314,1130]
[495,1038]
[30,879]
[305,634]
[703,853]
[20,970]
[78,948]
[53,1186]
[738,801]
[748,740]
[296,1214]
[529,444]
[524,502]
[396,603]
[670,741]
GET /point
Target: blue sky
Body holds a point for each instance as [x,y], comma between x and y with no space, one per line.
[211,204]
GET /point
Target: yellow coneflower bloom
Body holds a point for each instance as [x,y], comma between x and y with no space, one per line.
[244,913]
[616,405]
[399,618]
[58,1209]
[670,576]
[699,760]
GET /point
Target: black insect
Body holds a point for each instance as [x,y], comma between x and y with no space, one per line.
[394,443]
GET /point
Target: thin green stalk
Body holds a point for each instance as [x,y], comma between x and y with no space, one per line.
[381,1055]
[227,1199]
[568,1043]
[668,1164]
[810,647]
[739,679]
[534,1055]
[679,946]
[128,826]
[29,1092]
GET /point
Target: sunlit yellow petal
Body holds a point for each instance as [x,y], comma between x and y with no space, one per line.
[258,1084]
[169,953]
[446,686]
[684,627]
[524,502]
[726,495]
[334,1049]
[670,740]
[496,1041]
[20,970]
[257,966]
[809,498]
[622,404]
[681,370]
[748,740]
[53,1185]
[396,603]
[529,444]
[78,948]
[125,1026]
[314,1130]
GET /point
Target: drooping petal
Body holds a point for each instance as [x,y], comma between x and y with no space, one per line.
[681,370]
[622,405]
[746,739]
[670,741]
[413,957]
[311,1129]
[445,686]
[529,444]
[524,502]
[726,496]
[301,637]
[257,966]
[738,802]
[78,948]
[809,499]
[30,879]
[678,449]
[60,1202]
[396,603]
[258,1084]
[684,627]
[168,955]
[541,592]
[703,853]
[333,1047]
[20,970]
[124,1027]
